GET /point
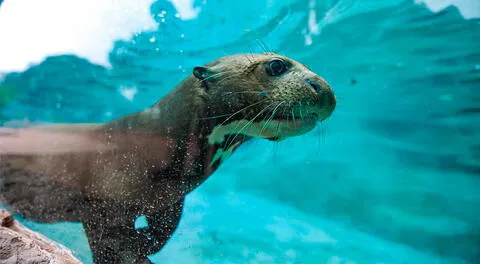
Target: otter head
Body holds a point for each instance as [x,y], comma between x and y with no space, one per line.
[263,95]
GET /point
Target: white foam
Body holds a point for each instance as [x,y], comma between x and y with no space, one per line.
[467,8]
[185,9]
[32,30]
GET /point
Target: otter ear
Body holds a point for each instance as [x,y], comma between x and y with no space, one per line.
[202,73]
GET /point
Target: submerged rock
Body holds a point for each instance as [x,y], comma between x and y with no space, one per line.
[18,244]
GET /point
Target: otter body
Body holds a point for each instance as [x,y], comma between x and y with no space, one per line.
[106,175]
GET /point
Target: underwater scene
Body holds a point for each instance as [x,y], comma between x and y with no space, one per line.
[391,176]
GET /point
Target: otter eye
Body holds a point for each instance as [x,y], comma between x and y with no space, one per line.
[275,67]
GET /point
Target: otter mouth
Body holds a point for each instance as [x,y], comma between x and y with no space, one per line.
[276,129]
[311,118]
[288,127]
[290,121]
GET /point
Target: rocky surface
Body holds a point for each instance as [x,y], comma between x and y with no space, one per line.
[18,245]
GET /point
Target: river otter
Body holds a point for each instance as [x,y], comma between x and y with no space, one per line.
[106,175]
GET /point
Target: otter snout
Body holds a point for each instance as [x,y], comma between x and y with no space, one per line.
[320,86]
[327,100]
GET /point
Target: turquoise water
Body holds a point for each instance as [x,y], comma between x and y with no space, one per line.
[392,177]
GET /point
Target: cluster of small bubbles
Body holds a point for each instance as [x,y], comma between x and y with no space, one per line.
[152,39]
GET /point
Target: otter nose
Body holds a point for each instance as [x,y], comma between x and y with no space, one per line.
[327,99]
[315,85]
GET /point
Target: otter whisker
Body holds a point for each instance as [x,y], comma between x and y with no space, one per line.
[287,107]
[246,56]
[250,123]
[321,135]
[276,135]
[302,117]
[216,74]
[226,145]
[253,56]
[230,115]
[262,45]
[319,140]
[228,77]
[213,117]
[246,92]
[248,106]
[231,73]
[271,117]
[278,125]
[269,50]
[293,117]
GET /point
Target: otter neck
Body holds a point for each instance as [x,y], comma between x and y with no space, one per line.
[176,120]
[194,157]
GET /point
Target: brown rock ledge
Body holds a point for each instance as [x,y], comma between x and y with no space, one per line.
[20,245]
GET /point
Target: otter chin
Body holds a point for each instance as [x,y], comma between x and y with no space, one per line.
[106,175]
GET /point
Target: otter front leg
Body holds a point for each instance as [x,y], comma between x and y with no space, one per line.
[161,226]
[113,238]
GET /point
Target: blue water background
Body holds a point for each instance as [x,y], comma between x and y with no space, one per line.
[392,177]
